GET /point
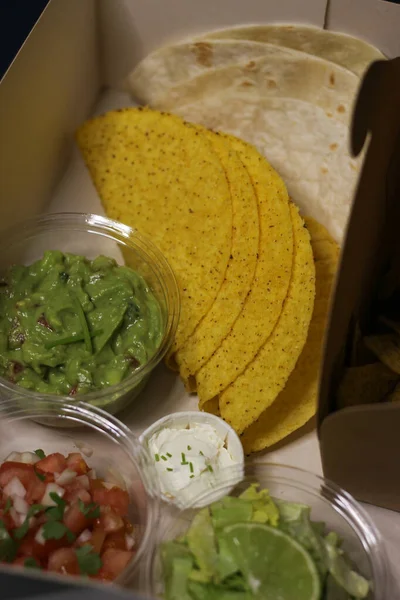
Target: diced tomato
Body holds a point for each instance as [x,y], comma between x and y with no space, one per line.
[75,520]
[25,473]
[128,525]
[63,560]
[115,498]
[74,492]
[19,562]
[96,484]
[30,547]
[53,463]
[115,541]
[114,562]
[35,488]
[97,539]
[76,462]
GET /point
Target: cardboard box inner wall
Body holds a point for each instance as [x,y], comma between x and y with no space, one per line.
[72,64]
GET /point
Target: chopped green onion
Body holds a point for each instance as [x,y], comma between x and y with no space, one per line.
[209,467]
[201,453]
[84,325]
[164,457]
[183,459]
[191,477]
[169,469]
[189,447]
[39,452]
[169,455]
[157,457]
[191,467]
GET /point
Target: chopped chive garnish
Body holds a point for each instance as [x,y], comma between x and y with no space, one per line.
[191,477]
[209,467]
[169,455]
[191,467]
[201,453]
[189,447]
[157,457]
[164,457]
[84,325]
[169,469]
[183,458]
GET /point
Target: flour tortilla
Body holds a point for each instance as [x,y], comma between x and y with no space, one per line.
[345,50]
[257,387]
[173,65]
[308,79]
[307,148]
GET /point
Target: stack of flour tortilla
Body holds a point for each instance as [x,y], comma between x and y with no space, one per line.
[288,90]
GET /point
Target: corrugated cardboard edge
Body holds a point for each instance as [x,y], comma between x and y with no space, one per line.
[360,447]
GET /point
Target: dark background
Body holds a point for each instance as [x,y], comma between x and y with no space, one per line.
[17,17]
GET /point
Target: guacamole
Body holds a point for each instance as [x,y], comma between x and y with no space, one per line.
[69,325]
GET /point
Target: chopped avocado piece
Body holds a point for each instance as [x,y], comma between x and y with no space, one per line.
[295,521]
[264,508]
[340,569]
[201,542]
[177,562]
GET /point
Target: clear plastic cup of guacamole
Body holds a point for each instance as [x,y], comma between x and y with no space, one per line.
[88,308]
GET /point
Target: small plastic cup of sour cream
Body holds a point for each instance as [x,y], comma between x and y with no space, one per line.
[192,453]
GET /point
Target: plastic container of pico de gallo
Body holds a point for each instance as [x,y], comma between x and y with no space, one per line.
[114,495]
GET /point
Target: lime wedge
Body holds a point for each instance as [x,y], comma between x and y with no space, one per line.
[275,566]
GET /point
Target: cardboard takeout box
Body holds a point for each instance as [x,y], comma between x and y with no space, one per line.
[79,48]
[360,445]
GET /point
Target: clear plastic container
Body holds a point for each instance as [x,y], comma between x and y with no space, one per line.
[91,235]
[110,448]
[335,507]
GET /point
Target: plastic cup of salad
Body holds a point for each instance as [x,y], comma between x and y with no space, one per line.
[80,504]
[89,307]
[280,533]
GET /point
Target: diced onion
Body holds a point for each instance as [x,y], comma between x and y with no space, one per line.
[14,457]
[108,485]
[84,448]
[129,541]
[52,488]
[112,522]
[20,505]
[66,477]
[15,488]
[29,458]
[84,537]
[84,481]
[39,537]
